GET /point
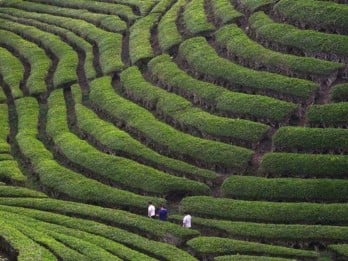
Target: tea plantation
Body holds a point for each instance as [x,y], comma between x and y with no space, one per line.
[234,111]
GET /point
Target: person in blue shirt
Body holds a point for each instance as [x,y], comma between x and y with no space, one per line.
[162,214]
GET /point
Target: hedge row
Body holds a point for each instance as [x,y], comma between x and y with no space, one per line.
[12,191]
[162,231]
[123,11]
[36,57]
[140,38]
[51,174]
[285,189]
[168,33]
[142,6]
[182,112]
[239,44]
[339,93]
[67,57]
[194,18]
[158,249]
[161,6]
[258,107]
[224,11]
[203,59]
[268,212]
[123,171]
[328,115]
[111,137]
[249,258]
[341,251]
[293,139]
[215,246]
[109,44]
[9,170]
[21,243]
[11,70]
[71,37]
[4,129]
[304,165]
[110,23]
[209,152]
[316,14]
[272,233]
[252,6]
[308,41]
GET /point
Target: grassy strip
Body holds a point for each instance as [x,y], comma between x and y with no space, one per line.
[224,11]
[4,129]
[136,117]
[161,231]
[316,14]
[195,19]
[339,93]
[51,174]
[304,165]
[203,58]
[340,250]
[112,137]
[140,38]
[168,33]
[311,139]
[328,115]
[181,111]
[108,22]
[285,189]
[254,5]
[270,212]
[161,250]
[39,62]
[11,70]
[249,258]
[123,11]
[71,37]
[109,44]
[68,60]
[272,233]
[164,70]
[9,170]
[238,43]
[215,246]
[121,170]
[11,191]
[25,248]
[306,40]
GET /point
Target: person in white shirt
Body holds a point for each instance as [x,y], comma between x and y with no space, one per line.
[151,210]
[186,222]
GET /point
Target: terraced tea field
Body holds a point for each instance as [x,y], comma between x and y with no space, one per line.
[234,111]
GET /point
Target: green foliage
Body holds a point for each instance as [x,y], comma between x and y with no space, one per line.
[12,191]
[339,93]
[224,11]
[9,170]
[249,258]
[322,14]
[161,6]
[304,165]
[328,115]
[238,43]
[219,246]
[195,19]
[2,94]
[310,139]
[168,74]
[306,40]
[285,189]
[255,5]
[203,58]
[210,152]
[143,6]
[340,250]
[140,36]
[267,212]
[182,111]
[168,33]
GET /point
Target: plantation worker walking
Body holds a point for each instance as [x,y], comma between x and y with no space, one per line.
[162,214]
[151,210]
[186,222]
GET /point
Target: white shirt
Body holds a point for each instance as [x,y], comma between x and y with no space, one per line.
[151,211]
[186,222]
